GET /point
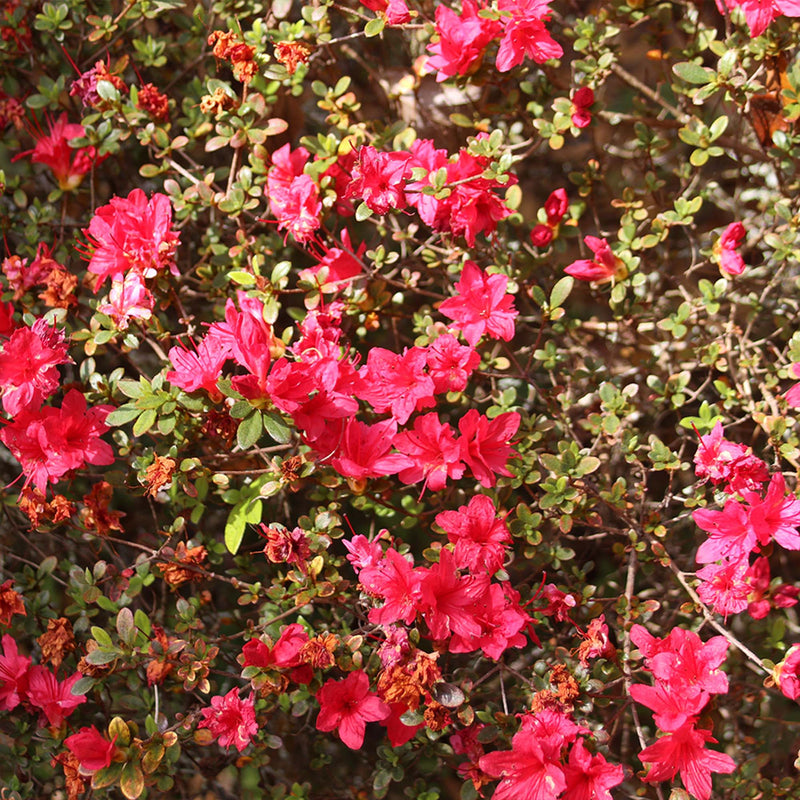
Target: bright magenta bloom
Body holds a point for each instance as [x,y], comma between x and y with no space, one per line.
[684,751]
[603,268]
[589,777]
[14,670]
[29,366]
[485,444]
[479,536]
[379,179]
[726,249]
[787,673]
[231,720]
[526,771]
[525,34]
[434,451]
[397,581]
[68,164]
[481,305]
[53,441]
[363,450]
[132,233]
[722,461]
[53,697]
[760,14]
[450,364]
[347,706]
[128,299]
[462,41]
[91,748]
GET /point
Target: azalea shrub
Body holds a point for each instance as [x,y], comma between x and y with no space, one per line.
[399,399]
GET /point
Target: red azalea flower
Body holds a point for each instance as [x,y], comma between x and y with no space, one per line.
[231,720]
[603,268]
[524,34]
[14,670]
[347,706]
[582,102]
[485,444]
[481,305]
[725,249]
[92,750]
[68,164]
[684,751]
[53,697]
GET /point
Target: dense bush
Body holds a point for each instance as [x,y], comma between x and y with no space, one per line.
[399,399]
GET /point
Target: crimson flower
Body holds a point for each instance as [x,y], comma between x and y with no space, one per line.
[787,674]
[525,34]
[603,268]
[725,249]
[379,179]
[347,706]
[52,697]
[433,450]
[684,751]
[463,38]
[132,233]
[68,164]
[582,102]
[364,450]
[526,771]
[230,719]
[485,445]
[588,776]
[481,305]
[13,674]
[92,750]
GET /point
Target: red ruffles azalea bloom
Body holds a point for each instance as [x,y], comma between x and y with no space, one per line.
[132,233]
[481,305]
[347,706]
[231,720]
[603,268]
[91,748]
[726,251]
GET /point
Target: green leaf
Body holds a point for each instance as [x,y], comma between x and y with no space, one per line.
[131,782]
[694,73]
[123,415]
[132,389]
[249,431]
[561,291]
[125,626]
[374,27]
[277,428]
[242,277]
[145,422]
[363,212]
[101,636]
[247,511]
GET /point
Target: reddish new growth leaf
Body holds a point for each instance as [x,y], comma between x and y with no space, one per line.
[346,706]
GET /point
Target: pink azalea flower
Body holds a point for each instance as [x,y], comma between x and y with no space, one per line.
[132,233]
[582,102]
[347,706]
[396,382]
[14,671]
[363,553]
[556,207]
[684,751]
[297,207]
[128,299]
[363,450]
[450,364]
[480,538]
[727,462]
[91,748]
[231,720]
[777,516]
[726,249]
[481,305]
[723,587]
[525,771]
[463,38]
[589,776]
[787,674]
[603,268]
[337,268]
[198,368]
[485,444]
[53,441]
[379,179]
[52,697]
[730,533]
[284,654]
[397,581]
[761,13]
[394,11]
[793,395]
[433,450]
[29,366]
[450,600]
[672,709]
[67,163]
[524,34]
[762,597]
